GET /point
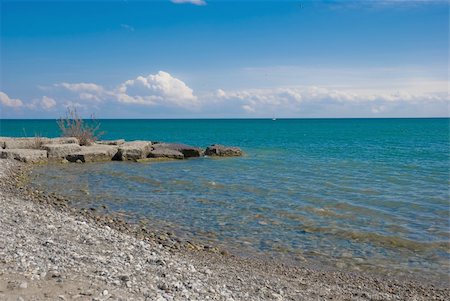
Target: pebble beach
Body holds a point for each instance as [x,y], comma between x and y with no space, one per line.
[50,251]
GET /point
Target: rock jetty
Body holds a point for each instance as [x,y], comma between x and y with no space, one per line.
[68,149]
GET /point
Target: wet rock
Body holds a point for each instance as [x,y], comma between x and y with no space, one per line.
[24,155]
[223,151]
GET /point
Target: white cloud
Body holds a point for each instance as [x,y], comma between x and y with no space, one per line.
[156,89]
[195,2]
[82,87]
[296,99]
[47,102]
[9,102]
[86,91]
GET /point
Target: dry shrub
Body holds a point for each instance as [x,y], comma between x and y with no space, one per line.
[72,125]
[38,141]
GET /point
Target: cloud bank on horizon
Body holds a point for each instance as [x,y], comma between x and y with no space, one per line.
[162,90]
[255,60]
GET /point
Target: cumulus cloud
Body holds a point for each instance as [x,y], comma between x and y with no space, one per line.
[156,89]
[160,89]
[195,2]
[9,102]
[47,102]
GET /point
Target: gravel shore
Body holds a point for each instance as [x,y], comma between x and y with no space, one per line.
[49,251]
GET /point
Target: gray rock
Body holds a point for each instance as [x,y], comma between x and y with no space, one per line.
[34,142]
[24,155]
[94,153]
[60,151]
[161,152]
[133,150]
[63,140]
[111,142]
[24,143]
[223,151]
[187,150]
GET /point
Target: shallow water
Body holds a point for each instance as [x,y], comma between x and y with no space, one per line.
[357,193]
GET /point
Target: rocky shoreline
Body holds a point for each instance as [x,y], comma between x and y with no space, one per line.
[51,251]
[69,149]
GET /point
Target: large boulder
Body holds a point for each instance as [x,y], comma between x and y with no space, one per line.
[161,152]
[93,153]
[223,151]
[187,150]
[60,151]
[133,150]
[24,155]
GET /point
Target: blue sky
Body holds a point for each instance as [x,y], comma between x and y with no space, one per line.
[222,59]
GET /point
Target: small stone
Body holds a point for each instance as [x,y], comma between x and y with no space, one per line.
[124,278]
[23,285]
[105,292]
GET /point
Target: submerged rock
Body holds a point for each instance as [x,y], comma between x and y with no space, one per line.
[223,151]
[24,155]
[94,153]
[133,150]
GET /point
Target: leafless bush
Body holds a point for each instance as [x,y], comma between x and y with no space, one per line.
[38,141]
[72,125]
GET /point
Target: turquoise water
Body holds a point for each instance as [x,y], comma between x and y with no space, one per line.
[352,193]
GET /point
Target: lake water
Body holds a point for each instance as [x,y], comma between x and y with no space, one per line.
[353,193]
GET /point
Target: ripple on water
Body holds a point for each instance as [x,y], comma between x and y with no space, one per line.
[359,211]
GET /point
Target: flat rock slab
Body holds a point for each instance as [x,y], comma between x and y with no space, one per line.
[223,151]
[94,153]
[24,155]
[133,150]
[23,143]
[34,142]
[63,140]
[60,151]
[161,152]
[187,150]
[111,142]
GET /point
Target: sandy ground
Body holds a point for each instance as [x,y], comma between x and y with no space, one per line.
[50,252]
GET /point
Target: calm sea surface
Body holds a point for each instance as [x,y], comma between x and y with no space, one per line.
[352,193]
